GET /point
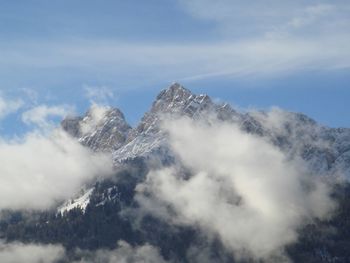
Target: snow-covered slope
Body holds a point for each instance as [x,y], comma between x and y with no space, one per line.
[79,202]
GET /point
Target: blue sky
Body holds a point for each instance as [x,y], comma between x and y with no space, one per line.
[291,54]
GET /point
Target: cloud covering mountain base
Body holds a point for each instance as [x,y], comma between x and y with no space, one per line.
[34,253]
[30,253]
[242,189]
[39,170]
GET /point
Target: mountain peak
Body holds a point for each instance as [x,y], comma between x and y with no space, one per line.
[175,92]
[179,100]
[104,111]
[176,101]
[105,129]
[101,128]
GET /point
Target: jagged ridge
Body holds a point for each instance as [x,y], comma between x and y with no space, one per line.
[327,150]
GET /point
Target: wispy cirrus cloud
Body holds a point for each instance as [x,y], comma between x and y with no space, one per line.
[257,38]
[242,19]
[261,56]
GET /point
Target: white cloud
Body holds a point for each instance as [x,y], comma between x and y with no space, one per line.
[8,106]
[311,14]
[243,190]
[263,38]
[242,19]
[46,166]
[123,254]
[16,252]
[31,94]
[97,94]
[30,253]
[40,115]
[261,56]
[39,170]
[94,117]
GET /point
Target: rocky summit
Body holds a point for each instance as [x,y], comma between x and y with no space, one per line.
[325,149]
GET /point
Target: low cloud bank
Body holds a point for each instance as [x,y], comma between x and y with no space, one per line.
[30,253]
[125,253]
[242,190]
[45,165]
[38,170]
[39,253]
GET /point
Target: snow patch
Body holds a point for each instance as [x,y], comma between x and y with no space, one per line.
[80,202]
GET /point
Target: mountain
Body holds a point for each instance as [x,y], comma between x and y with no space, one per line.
[106,210]
[325,149]
[148,138]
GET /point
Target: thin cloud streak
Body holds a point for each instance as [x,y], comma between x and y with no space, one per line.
[264,39]
[297,18]
[264,56]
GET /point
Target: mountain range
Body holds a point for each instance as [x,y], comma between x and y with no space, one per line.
[103,212]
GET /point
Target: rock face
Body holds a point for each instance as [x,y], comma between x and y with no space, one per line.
[176,100]
[71,125]
[101,129]
[105,132]
[148,138]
